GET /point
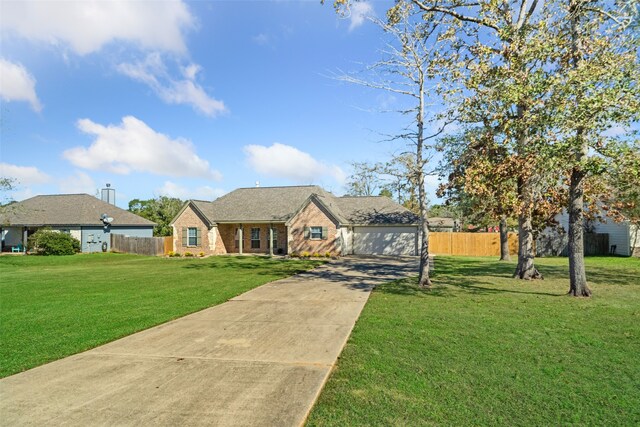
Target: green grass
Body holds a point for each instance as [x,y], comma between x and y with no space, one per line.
[484,349]
[51,307]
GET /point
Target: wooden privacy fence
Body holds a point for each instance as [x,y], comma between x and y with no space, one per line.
[152,246]
[168,244]
[470,244]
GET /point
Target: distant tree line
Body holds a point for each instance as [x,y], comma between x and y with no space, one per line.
[160,210]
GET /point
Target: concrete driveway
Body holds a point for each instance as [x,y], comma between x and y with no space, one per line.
[260,359]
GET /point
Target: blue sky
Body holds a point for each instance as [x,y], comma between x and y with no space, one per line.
[186,99]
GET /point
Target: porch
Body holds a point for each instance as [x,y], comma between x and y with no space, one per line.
[14,238]
[254,238]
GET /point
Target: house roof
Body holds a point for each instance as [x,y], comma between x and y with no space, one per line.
[280,204]
[441,222]
[67,209]
[378,210]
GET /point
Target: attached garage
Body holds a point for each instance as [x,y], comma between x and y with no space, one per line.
[385,240]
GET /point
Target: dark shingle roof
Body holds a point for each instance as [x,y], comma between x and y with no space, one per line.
[437,222]
[378,210]
[67,209]
[262,203]
[279,204]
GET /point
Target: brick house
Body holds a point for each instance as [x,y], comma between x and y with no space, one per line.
[294,220]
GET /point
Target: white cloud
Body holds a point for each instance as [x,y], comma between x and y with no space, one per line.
[172,189]
[87,25]
[285,161]
[24,175]
[615,131]
[153,72]
[360,11]
[17,84]
[133,146]
[79,182]
[261,39]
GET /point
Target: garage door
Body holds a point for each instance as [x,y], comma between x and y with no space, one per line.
[384,240]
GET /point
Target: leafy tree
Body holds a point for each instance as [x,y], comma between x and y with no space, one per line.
[481,181]
[542,80]
[622,186]
[595,86]
[444,211]
[160,210]
[386,193]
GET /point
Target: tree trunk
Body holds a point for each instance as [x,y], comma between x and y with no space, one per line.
[504,240]
[525,269]
[423,275]
[577,274]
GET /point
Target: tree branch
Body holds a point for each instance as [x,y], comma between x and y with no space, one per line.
[456,15]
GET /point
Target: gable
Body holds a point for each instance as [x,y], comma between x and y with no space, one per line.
[190,216]
[313,210]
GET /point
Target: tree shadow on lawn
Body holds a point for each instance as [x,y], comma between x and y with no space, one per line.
[612,277]
[473,276]
[443,288]
[263,266]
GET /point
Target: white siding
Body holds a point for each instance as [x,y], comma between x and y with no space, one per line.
[345,235]
[76,233]
[387,240]
[634,236]
[619,234]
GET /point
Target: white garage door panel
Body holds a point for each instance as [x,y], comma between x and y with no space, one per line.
[384,240]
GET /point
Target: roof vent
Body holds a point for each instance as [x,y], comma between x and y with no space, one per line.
[108,195]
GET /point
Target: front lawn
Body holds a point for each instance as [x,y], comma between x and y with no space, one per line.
[484,349]
[51,307]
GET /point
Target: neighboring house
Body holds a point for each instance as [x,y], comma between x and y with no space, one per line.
[624,238]
[295,220]
[443,224]
[88,219]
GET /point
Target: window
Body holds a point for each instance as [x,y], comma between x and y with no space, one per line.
[255,238]
[316,233]
[193,236]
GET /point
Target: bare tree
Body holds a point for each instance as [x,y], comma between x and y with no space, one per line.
[407,69]
[365,179]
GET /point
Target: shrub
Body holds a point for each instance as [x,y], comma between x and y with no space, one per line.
[293,254]
[49,242]
[201,254]
[327,254]
[316,255]
[305,254]
[188,254]
[171,254]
